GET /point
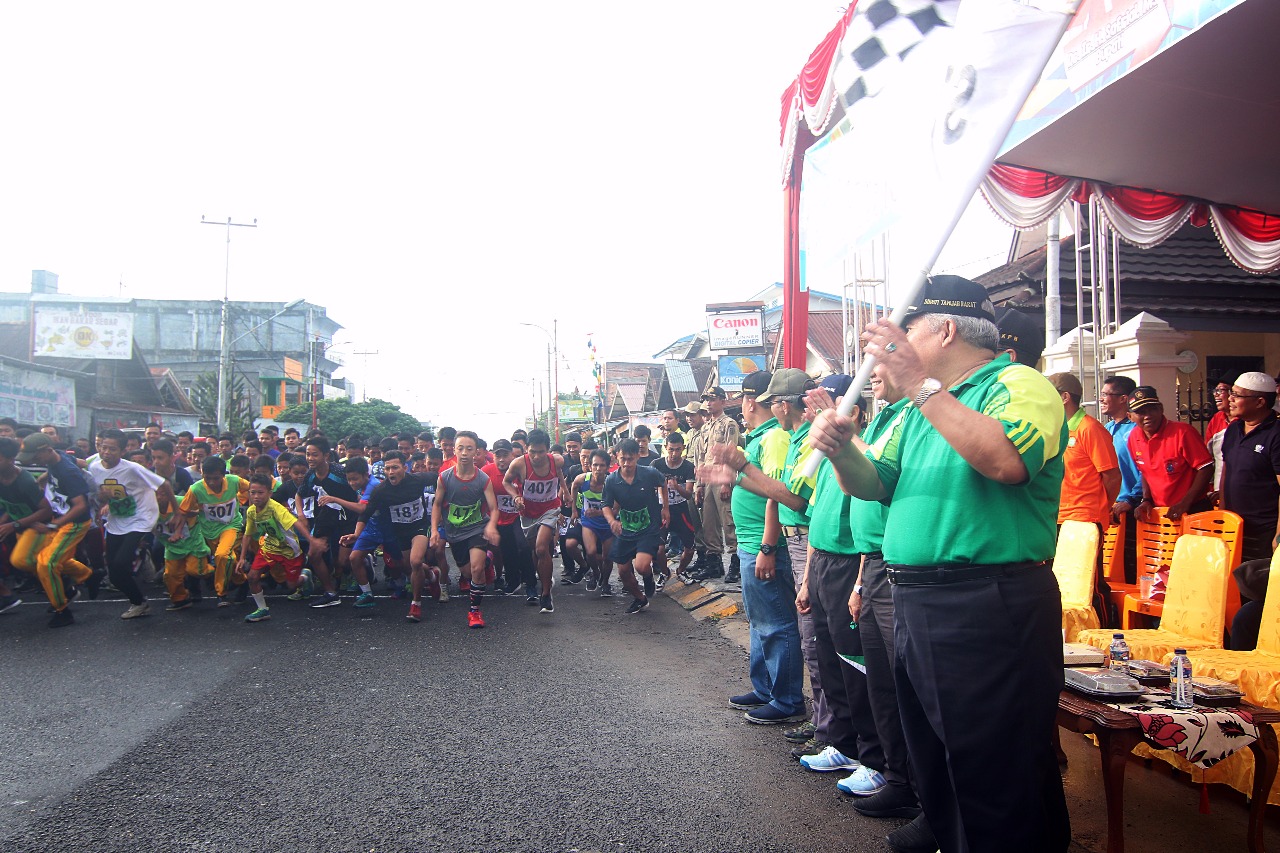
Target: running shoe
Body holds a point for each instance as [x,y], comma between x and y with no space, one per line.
[296,595]
[800,733]
[474,619]
[606,590]
[862,783]
[308,585]
[828,761]
[136,610]
[548,606]
[530,600]
[661,580]
[9,602]
[812,746]
[567,579]
[768,715]
[223,601]
[747,701]
[444,592]
[262,614]
[364,599]
[329,599]
[592,583]
[637,606]
[415,612]
[62,618]
[179,605]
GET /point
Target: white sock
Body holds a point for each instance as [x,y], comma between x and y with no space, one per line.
[365,587]
[260,599]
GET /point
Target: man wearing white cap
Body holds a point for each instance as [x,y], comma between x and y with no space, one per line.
[1251,462]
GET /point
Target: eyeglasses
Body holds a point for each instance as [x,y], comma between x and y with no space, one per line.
[1218,392]
[1236,396]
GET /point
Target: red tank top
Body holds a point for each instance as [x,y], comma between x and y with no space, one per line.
[541,494]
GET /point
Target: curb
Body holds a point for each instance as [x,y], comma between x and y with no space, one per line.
[716,602]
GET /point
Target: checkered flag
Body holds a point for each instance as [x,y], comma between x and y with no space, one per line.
[879,38]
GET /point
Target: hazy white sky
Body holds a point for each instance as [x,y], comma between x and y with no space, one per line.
[433,173]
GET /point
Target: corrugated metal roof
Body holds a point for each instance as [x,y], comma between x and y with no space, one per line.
[680,375]
[633,396]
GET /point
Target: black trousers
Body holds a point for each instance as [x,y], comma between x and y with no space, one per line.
[875,625]
[852,729]
[517,562]
[121,549]
[978,671]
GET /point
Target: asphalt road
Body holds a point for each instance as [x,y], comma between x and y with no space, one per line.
[584,730]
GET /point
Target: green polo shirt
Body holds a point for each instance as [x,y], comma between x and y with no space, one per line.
[798,453]
[867,518]
[767,450]
[829,514]
[942,511]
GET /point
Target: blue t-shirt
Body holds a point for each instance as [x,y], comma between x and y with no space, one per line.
[1130,476]
[638,503]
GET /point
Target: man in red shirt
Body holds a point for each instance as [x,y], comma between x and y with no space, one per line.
[1176,466]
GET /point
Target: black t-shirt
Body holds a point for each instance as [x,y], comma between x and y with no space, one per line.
[284,493]
[66,482]
[1251,464]
[647,461]
[399,507]
[638,503]
[333,516]
[21,497]
[570,474]
[682,473]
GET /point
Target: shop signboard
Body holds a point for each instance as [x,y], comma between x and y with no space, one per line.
[62,333]
[576,411]
[36,398]
[735,330]
[732,369]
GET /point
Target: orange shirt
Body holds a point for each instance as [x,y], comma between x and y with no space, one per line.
[1089,453]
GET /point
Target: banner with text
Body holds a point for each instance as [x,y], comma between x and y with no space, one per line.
[60,333]
[36,398]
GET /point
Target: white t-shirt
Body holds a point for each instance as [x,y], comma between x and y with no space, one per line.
[133,507]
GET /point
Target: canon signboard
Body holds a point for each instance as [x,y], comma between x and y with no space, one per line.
[736,330]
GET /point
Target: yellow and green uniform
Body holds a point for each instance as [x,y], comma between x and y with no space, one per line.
[272,529]
[220,523]
[867,518]
[766,449]
[188,557]
[45,553]
[798,452]
[935,495]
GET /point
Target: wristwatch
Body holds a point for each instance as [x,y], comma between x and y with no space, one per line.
[767,549]
[927,389]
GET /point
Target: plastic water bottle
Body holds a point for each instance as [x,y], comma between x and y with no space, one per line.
[1119,653]
[1180,695]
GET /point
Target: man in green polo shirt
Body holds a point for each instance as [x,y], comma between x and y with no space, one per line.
[768,592]
[785,400]
[972,484]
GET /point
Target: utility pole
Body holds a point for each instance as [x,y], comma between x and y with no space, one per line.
[224,337]
[364,386]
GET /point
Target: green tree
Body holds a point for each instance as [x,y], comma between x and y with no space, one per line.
[340,418]
[204,396]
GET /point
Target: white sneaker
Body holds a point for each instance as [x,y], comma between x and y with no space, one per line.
[136,610]
[830,759]
[863,783]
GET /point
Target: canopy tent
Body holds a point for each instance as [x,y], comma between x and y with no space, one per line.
[1174,97]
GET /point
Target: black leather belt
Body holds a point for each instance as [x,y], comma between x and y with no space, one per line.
[956,573]
[789,531]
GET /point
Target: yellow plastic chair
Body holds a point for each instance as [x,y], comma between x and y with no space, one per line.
[1228,527]
[1156,539]
[1074,564]
[1194,607]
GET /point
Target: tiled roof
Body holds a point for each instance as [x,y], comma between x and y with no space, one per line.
[1187,280]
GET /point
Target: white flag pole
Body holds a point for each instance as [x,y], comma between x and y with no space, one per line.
[1001,48]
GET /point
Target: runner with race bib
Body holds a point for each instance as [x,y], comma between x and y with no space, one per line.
[212,509]
[467,508]
[536,481]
